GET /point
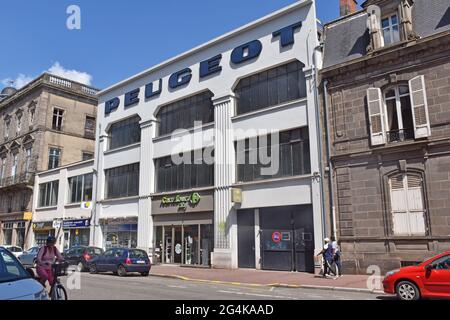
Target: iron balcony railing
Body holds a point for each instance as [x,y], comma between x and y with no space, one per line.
[400,135]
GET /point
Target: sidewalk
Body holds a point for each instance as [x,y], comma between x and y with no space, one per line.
[250,277]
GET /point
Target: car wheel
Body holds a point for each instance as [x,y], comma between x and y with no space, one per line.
[80,266]
[145,274]
[121,271]
[407,291]
[93,268]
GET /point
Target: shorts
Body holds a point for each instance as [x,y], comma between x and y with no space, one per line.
[45,275]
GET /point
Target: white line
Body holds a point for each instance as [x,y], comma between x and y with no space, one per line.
[257,295]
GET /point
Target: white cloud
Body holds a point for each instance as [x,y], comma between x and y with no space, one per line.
[56,69]
[21,81]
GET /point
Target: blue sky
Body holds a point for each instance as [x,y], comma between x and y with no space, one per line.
[118,38]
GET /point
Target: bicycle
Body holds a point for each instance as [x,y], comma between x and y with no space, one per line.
[57,291]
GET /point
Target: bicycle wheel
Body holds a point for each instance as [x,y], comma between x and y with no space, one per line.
[59,292]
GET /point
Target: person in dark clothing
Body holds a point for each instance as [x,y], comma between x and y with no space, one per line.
[327,253]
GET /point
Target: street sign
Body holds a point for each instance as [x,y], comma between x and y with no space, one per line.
[86,205]
[276,237]
[56,224]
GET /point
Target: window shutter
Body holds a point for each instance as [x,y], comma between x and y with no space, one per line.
[419,105]
[374,26]
[376,117]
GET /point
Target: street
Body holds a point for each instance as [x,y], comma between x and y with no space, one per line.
[110,287]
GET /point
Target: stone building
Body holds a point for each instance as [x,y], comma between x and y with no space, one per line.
[48,123]
[386,121]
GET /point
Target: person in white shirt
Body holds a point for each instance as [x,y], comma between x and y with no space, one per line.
[336,255]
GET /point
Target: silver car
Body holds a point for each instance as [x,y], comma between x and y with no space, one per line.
[16,283]
[28,258]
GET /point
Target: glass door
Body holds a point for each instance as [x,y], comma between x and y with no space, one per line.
[191,245]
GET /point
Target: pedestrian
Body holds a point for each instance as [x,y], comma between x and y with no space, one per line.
[327,255]
[337,255]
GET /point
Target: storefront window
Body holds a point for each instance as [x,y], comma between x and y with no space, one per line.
[7,233]
[40,237]
[20,234]
[123,235]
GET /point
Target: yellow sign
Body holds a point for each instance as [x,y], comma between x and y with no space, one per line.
[28,216]
[236,195]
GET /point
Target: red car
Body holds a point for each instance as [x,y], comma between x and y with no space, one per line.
[430,279]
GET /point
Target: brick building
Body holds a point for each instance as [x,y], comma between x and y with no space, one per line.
[386,121]
[47,124]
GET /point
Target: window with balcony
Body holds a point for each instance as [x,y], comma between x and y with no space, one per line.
[2,171]
[293,156]
[48,194]
[6,129]
[184,113]
[54,158]
[122,181]
[398,113]
[14,165]
[28,153]
[57,122]
[193,172]
[80,188]
[399,118]
[270,88]
[18,124]
[124,133]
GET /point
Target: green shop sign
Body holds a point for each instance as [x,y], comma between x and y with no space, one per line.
[182,202]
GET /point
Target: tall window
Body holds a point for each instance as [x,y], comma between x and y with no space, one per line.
[80,188]
[390,29]
[57,122]
[2,170]
[6,131]
[89,127]
[8,228]
[28,153]
[54,157]
[407,204]
[193,173]
[48,194]
[19,123]
[15,163]
[399,114]
[31,113]
[124,133]
[293,157]
[122,181]
[182,114]
[272,87]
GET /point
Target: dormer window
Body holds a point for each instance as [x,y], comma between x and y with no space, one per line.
[390,29]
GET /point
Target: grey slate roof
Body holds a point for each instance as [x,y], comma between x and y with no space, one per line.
[347,39]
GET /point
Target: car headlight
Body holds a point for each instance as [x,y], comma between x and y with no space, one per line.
[43,295]
[391,273]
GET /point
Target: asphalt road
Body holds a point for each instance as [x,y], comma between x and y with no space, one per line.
[110,287]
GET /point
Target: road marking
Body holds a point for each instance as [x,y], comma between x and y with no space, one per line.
[257,295]
[181,287]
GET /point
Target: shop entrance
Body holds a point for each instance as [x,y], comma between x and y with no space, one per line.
[185,244]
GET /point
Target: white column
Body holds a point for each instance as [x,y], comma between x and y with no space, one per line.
[257,241]
[316,180]
[60,211]
[96,238]
[146,185]
[225,229]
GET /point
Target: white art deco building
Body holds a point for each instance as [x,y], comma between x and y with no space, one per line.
[223,101]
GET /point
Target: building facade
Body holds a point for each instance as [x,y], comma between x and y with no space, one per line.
[386,108]
[62,205]
[179,151]
[48,123]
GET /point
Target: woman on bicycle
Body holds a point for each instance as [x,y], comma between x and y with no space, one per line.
[45,258]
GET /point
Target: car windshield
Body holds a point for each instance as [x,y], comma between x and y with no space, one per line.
[10,269]
[137,254]
[95,251]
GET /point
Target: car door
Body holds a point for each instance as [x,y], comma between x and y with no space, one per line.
[437,279]
[118,259]
[103,260]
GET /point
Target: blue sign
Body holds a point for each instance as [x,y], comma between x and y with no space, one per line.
[76,224]
[243,53]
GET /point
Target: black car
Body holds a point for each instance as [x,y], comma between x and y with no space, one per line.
[80,256]
[121,261]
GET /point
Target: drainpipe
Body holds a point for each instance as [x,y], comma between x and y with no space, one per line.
[319,135]
[330,163]
[95,192]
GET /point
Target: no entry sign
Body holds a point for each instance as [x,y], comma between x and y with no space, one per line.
[276,237]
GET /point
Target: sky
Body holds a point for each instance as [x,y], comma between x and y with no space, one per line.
[118,38]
